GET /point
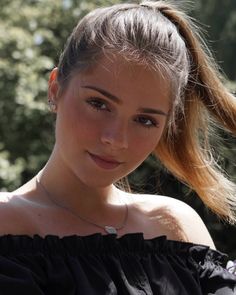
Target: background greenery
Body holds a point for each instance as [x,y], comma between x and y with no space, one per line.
[32,34]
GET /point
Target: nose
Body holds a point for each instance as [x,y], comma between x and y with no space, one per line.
[116,135]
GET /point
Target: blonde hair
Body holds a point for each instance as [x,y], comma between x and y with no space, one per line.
[187,153]
[158,35]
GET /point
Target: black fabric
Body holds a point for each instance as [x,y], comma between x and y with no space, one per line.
[104,264]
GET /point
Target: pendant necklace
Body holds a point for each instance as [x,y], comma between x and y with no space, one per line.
[107,228]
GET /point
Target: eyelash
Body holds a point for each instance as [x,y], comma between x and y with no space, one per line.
[94,102]
[153,122]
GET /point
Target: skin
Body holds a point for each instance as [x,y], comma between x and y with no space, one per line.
[90,122]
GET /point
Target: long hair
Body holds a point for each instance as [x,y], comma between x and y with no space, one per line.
[159,35]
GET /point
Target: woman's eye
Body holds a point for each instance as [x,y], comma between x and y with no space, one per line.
[147,122]
[97,104]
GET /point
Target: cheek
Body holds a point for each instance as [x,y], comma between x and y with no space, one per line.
[143,144]
[75,124]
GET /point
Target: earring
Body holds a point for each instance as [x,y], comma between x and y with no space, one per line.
[52,105]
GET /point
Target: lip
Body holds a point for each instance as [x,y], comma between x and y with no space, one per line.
[105,162]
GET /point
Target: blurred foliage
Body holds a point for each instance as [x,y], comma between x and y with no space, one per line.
[219,19]
[32,34]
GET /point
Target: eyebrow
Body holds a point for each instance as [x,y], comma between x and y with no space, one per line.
[118,100]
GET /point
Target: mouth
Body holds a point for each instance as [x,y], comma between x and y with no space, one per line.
[104,162]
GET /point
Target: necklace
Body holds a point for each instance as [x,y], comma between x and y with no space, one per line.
[107,228]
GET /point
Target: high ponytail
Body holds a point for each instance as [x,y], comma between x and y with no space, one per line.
[187,153]
[204,77]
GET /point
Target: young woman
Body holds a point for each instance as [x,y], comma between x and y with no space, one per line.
[134,79]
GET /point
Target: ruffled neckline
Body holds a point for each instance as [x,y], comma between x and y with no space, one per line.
[104,244]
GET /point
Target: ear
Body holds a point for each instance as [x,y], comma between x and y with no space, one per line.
[53,86]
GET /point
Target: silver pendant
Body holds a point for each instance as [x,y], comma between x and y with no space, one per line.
[110,229]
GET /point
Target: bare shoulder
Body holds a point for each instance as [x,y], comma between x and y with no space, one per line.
[193,227]
[178,219]
[13,219]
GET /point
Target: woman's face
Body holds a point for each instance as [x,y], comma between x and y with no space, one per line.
[109,119]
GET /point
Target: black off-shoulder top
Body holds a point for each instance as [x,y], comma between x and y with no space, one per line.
[105,265]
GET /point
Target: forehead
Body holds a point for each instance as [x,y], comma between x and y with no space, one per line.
[117,67]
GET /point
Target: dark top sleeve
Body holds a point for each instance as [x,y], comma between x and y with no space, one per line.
[214,278]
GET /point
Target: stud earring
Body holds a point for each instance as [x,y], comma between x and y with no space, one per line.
[52,105]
